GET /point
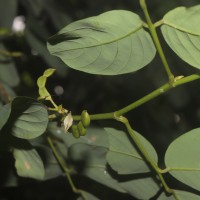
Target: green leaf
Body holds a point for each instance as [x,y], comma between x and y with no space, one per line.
[182,158]
[182,195]
[181,31]
[4,114]
[28,118]
[109,44]
[28,163]
[141,187]
[124,157]
[90,161]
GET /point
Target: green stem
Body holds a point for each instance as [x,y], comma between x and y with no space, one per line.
[64,168]
[154,35]
[146,155]
[164,88]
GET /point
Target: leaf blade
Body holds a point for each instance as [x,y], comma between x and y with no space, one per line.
[183,161]
[96,45]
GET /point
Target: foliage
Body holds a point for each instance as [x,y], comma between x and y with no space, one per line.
[47,140]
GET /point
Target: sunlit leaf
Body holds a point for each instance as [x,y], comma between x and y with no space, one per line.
[97,45]
[181,31]
[123,156]
[28,118]
[182,158]
[28,163]
[182,195]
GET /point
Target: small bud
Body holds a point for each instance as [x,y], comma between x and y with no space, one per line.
[68,121]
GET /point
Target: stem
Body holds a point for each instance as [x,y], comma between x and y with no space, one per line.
[161,90]
[146,155]
[65,169]
[154,35]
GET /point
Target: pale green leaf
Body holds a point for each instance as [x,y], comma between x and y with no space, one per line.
[141,187]
[109,44]
[181,31]
[28,118]
[124,157]
[182,158]
[28,163]
[90,161]
[182,195]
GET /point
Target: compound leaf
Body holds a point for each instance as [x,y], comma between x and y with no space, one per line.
[109,44]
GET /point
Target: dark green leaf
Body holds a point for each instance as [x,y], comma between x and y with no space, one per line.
[182,158]
[111,43]
[181,31]
[8,10]
[90,161]
[8,72]
[124,157]
[51,166]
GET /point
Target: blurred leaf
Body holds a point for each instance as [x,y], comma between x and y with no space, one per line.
[90,161]
[182,195]
[8,10]
[141,188]
[124,157]
[39,46]
[8,72]
[28,118]
[28,163]
[181,31]
[97,45]
[4,114]
[182,158]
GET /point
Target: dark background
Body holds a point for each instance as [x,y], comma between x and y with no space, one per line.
[161,120]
